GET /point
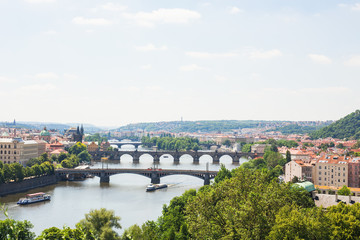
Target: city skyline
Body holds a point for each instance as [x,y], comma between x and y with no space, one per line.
[115,63]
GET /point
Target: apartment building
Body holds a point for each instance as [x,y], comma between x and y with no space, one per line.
[17,150]
[331,171]
[354,171]
[301,169]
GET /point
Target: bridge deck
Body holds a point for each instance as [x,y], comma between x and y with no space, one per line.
[133,170]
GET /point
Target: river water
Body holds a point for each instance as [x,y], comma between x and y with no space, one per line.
[125,194]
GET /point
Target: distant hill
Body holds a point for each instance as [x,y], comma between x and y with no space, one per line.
[300,129]
[199,126]
[347,127]
[59,126]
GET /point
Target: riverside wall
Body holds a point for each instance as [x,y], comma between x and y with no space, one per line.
[27,184]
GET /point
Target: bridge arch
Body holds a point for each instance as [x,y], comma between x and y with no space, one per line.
[226,159]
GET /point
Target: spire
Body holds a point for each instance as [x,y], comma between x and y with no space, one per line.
[82,130]
[77,130]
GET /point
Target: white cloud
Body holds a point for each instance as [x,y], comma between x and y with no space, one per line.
[6,80]
[220,78]
[192,67]
[260,54]
[317,58]
[70,76]
[353,61]
[48,75]
[40,1]
[163,16]
[38,87]
[235,10]
[208,55]
[354,7]
[113,7]
[92,21]
[147,66]
[150,47]
[50,32]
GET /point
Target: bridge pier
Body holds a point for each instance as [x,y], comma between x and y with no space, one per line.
[216,159]
[207,179]
[136,157]
[155,178]
[196,159]
[236,159]
[156,158]
[104,178]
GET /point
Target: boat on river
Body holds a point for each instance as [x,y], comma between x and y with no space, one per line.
[34,198]
[153,187]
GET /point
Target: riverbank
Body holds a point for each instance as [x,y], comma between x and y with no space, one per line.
[27,184]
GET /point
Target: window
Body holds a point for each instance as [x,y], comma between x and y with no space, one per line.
[325,173]
[319,166]
[332,170]
[332,182]
[325,179]
[343,174]
[339,174]
[325,167]
[320,173]
[332,176]
[338,180]
[319,178]
[344,169]
[343,180]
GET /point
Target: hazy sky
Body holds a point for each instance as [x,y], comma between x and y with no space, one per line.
[119,62]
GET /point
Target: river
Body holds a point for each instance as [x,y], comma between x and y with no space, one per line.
[125,194]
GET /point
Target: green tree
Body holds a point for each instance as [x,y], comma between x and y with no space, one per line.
[246,148]
[19,230]
[7,173]
[344,221]
[67,233]
[17,171]
[77,148]
[101,223]
[44,157]
[243,207]
[223,174]
[295,179]
[293,222]
[288,156]
[226,142]
[84,156]
[66,164]
[344,191]
[62,156]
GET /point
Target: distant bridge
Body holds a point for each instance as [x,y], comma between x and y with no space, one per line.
[122,143]
[153,174]
[116,155]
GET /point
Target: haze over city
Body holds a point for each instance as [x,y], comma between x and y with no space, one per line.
[113,63]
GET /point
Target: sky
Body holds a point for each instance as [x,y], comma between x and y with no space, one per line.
[120,62]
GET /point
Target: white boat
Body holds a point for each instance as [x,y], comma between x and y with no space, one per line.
[153,187]
[33,198]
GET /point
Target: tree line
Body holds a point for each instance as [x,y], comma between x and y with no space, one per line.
[171,143]
[44,165]
[15,172]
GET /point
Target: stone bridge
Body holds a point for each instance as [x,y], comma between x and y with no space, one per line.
[122,143]
[116,155]
[153,174]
